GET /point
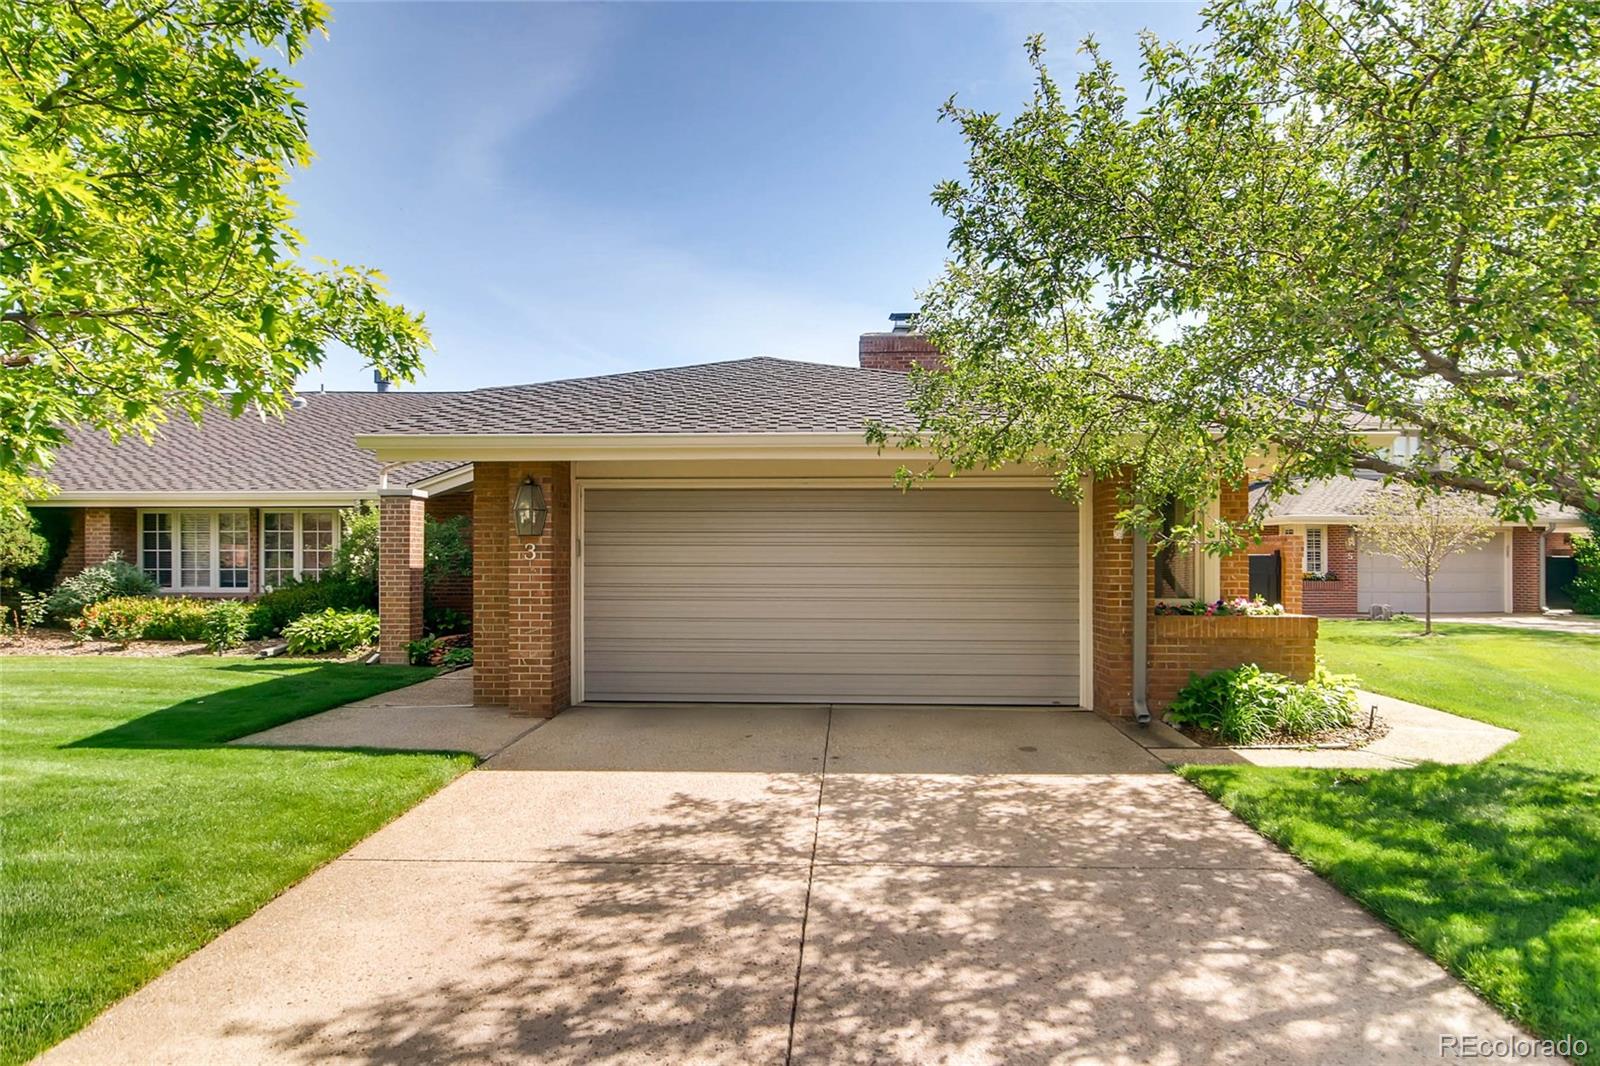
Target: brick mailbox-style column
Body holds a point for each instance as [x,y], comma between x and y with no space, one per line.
[399,571]
[1527,571]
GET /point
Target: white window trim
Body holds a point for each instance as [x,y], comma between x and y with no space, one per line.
[1305,551]
[298,538]
[1207,565]
[213,585]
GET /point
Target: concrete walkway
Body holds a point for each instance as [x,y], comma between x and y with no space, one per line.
[804,884]
[1550,622]
[435,715]
[1417,734]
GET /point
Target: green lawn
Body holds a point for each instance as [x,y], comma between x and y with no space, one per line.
[131,837]
[1493,869]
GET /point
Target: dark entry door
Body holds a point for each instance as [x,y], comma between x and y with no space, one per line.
[1266,577]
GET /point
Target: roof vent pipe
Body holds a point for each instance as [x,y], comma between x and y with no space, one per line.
[1141,605]
[379,380]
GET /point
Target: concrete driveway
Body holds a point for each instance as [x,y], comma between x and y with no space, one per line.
[808,884]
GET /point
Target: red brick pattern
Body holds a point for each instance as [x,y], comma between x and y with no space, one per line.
[522,592]
[1181,646]
[72,563]
[399,573]
[1233,505]
[1334,599]
[452,592]
[97,533]
[1527,571]
[1291,549]
[898,351]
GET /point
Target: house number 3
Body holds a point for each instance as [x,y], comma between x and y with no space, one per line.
[530,552]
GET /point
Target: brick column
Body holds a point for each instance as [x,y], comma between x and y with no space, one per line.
[1527,571]
[1233,571]
[399,571]
[1112,597]
[521,592]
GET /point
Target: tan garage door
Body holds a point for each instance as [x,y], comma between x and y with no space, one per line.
[830,595]
[1472,582]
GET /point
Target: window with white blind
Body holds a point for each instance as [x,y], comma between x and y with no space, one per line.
[196,551]
[1316,554]
[297,544]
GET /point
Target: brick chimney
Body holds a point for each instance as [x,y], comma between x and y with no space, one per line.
[899,349]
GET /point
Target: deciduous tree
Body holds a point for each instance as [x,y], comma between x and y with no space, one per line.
[148,264]
[1423,528]
[1331,214]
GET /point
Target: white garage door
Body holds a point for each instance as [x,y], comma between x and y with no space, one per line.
[1472,582]
[830,595]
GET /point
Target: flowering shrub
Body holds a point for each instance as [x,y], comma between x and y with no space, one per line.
[220,623]
[1254,608]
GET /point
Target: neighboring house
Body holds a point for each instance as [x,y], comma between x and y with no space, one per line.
[706,533]
[1338,577]
[233,507]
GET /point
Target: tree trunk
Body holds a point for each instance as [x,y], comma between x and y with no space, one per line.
[1427,605]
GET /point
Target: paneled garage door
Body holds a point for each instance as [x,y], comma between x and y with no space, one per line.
[830,595]
[1471,582]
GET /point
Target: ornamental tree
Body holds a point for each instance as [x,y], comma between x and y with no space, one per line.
[1326,215]
[1422,529]
[148,265]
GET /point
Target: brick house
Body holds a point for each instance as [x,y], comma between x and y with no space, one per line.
[1335,576]
[235,506]
[719,532]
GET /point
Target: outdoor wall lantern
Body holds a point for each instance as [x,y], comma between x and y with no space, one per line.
[530,509]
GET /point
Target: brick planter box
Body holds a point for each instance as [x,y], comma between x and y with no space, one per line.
[1181,645]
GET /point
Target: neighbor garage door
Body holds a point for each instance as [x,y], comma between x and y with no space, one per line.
[1471,582]
[830,595]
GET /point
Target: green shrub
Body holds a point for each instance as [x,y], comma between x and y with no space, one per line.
[446,548]
[331,630]
[112,578]
[1248,705]
[227,623]
[1585,587]
[143,618]
[445,621]
[457,657]
[296,599]
[420,652]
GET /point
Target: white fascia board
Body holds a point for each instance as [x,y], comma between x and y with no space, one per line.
[453,478]
[347,498]
[566,447]
[1557,524]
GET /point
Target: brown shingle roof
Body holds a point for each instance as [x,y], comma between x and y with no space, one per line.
[760,395]
[312,448]
[1342,497]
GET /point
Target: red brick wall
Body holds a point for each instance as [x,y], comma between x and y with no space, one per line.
[1331,599]
[1558,544]
[898,351]
[1527,571]
[399,573]
[1291,549]
[1233,505]
[72,563]
[1112,596]
[452,592]
[1181,646]
[522,592]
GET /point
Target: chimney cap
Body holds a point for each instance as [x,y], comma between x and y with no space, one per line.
[903,322]
[379,380]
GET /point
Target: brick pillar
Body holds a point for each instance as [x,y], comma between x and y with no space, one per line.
[1112,596]
[1233,505]
[522,592]
[1527,571]
[399,571]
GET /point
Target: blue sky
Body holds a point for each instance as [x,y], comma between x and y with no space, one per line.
[572,189]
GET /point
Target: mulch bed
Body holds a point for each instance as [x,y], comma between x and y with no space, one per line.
[62,642]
